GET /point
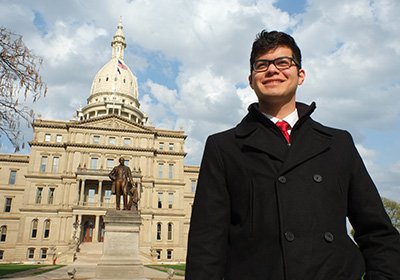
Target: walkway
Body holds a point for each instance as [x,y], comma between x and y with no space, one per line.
[83,272]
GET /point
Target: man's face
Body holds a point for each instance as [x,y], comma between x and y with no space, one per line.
[275,86]
[121,161]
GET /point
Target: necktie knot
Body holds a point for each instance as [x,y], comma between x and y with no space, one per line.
[284,127]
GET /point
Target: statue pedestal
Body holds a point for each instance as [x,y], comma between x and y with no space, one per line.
[120,258]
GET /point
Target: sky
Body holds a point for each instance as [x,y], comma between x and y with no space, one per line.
[191,58]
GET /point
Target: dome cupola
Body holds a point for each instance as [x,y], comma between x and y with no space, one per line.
[114,89]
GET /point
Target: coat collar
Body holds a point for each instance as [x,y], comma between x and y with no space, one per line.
[308,137]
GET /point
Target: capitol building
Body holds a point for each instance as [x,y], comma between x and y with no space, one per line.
[53,201]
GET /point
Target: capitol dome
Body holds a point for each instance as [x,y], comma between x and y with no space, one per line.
[114,89]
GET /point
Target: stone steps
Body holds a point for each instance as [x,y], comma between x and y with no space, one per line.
[89,253]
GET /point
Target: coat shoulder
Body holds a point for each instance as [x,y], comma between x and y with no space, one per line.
[331,131]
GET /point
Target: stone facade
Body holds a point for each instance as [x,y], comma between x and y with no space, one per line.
[55,198]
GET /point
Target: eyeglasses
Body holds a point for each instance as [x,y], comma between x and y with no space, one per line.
[281,63]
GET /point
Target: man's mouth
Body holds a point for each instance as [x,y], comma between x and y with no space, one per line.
[272,82]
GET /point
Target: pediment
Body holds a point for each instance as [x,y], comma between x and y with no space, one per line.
[111,123]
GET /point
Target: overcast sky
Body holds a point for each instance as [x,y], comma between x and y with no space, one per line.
[191,61]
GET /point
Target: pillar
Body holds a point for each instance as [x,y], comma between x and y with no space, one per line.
[95,238]
[100,193]
[82,192]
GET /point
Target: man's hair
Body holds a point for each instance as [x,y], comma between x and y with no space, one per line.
[266,41]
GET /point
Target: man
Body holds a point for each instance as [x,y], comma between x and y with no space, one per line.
[273,197]
[121,176]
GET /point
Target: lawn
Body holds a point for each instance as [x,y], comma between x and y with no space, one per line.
[13,268]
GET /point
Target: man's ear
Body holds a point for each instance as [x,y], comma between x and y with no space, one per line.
[302,76]
[250,80]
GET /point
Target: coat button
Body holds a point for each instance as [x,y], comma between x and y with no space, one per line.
[328,237]
[317,178]
[289,236]
[282,179]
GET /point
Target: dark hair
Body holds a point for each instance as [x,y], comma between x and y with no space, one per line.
[267,41]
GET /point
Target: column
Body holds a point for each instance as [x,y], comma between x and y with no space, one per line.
[76,197]
[100,194]
[79,229]
[95,238]
[82,192]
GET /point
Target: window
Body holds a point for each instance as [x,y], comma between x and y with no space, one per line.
[193,185]
[110,163]
[159,202]
[43,253]
[169,254]
[43,163]
[111,140]
[127,141]
[96,139]
[171,146]
[158,231]
[13,175]
[34,228]
[91,195]
[46,229]
[170,171]
[170,227]
[170,199]
[58,138]
[1,254]
[160,169]
[31,253]
[161,146]
[47,137]
[50,197]
[7,204]
[54,167]
[107,196]
[3,233]
[126,162]
[93,163]
[39,192]
[158,251]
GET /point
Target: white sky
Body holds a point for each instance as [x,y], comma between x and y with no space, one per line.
[191,60]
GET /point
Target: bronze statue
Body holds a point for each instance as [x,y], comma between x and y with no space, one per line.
[123,183]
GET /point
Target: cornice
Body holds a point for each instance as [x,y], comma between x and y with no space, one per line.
[14,158]
[170,153]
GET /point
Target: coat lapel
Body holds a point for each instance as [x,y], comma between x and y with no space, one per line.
[309,140]
[308,143]
[265,140]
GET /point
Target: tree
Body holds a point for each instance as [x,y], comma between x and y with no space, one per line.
[393,211]
[19,78]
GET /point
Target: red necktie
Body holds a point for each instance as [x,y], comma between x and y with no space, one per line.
[284,126]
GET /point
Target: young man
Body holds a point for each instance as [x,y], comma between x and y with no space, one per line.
[273,197]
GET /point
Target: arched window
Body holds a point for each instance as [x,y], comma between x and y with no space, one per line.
[46,229]
[170,230]
[3,233]
[34,228]
[159,231]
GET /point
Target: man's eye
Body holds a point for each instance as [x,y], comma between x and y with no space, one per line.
[261,65]
[282,62]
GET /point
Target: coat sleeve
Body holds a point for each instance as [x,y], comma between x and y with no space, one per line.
[209,225]
[377,238]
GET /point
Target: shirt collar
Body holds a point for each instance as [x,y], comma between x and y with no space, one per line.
[291,119]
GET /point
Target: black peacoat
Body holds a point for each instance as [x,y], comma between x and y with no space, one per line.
[266,210]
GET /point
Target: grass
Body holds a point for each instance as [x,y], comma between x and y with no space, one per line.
[13,268]
[179,268]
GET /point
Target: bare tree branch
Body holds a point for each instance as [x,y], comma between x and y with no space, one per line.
[19,75]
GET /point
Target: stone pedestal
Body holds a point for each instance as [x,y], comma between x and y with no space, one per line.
[120,258]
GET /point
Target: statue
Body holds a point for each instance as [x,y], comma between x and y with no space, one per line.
[123,183]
